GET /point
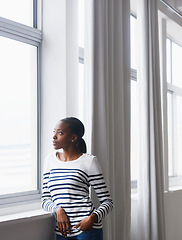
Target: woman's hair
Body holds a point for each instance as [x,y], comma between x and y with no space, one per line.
[77,128]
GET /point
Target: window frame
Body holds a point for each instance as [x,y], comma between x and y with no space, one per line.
[167,12]
[32,36]
[165,16]
[174,180]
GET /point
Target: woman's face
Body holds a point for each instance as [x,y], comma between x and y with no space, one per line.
[62,136]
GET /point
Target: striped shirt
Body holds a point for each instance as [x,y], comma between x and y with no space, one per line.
[67,184]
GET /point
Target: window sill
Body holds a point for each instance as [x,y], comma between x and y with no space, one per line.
[27,212]
[175,188]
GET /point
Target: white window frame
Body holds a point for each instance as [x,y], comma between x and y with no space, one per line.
[174,180]
[169,12]
[166,13]
[32,36]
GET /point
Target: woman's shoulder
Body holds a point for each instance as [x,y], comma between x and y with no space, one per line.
[90,159]
[92,164]
[89,156]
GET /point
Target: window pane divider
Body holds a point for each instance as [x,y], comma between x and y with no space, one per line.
[174,89]
[17,30]
[81,55]
[19,197]
[133,74]
[133,184]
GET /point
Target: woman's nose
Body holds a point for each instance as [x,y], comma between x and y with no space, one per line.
[54,137]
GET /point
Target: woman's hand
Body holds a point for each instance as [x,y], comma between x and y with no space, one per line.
[62,221]
[87,222]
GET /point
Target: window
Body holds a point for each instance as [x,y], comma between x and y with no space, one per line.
[19,102]
[171,53]
[171,56]
[174,114]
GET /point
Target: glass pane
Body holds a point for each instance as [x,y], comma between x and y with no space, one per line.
[17,10]
[18,111]
[179,134]
[168,52]
[133,32]
[170,134]
[134,130]
[81,20]
[176,64]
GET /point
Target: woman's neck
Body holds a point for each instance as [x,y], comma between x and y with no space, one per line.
[69,155]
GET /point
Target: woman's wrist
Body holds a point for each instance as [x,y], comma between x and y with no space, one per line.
[94,217]
[59,210]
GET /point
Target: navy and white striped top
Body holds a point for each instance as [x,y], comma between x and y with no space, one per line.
[66,185]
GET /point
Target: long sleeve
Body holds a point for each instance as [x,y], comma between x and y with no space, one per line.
[46,201]
[96,180]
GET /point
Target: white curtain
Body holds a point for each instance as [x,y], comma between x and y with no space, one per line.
[150,181]
[107,66]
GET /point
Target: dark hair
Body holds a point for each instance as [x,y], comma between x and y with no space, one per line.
[77,128]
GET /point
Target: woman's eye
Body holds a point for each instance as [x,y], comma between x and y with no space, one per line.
[60,133]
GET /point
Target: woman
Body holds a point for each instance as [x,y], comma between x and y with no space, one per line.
[67,177]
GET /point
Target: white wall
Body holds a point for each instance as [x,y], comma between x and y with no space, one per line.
[35,228]
[53,70]
[173,215]
[59,67]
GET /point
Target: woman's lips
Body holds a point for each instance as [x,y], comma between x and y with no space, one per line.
[54,143]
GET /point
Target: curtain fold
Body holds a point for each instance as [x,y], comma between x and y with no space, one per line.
[150,181]
[110,76]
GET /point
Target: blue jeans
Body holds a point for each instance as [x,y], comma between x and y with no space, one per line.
[92,234]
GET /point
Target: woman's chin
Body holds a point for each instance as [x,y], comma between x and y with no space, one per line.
[55,147]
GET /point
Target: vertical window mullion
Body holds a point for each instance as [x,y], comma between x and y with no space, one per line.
[35,13]
[38,119]
[171,72]
[164,92]
[174,120]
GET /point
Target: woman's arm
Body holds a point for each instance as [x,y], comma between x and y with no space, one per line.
[46,201]
[48,205]
[96,180]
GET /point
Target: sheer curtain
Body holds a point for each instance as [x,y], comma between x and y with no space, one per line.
[150,183]
[107,66]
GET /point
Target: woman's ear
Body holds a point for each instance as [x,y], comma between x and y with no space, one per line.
[74,138]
